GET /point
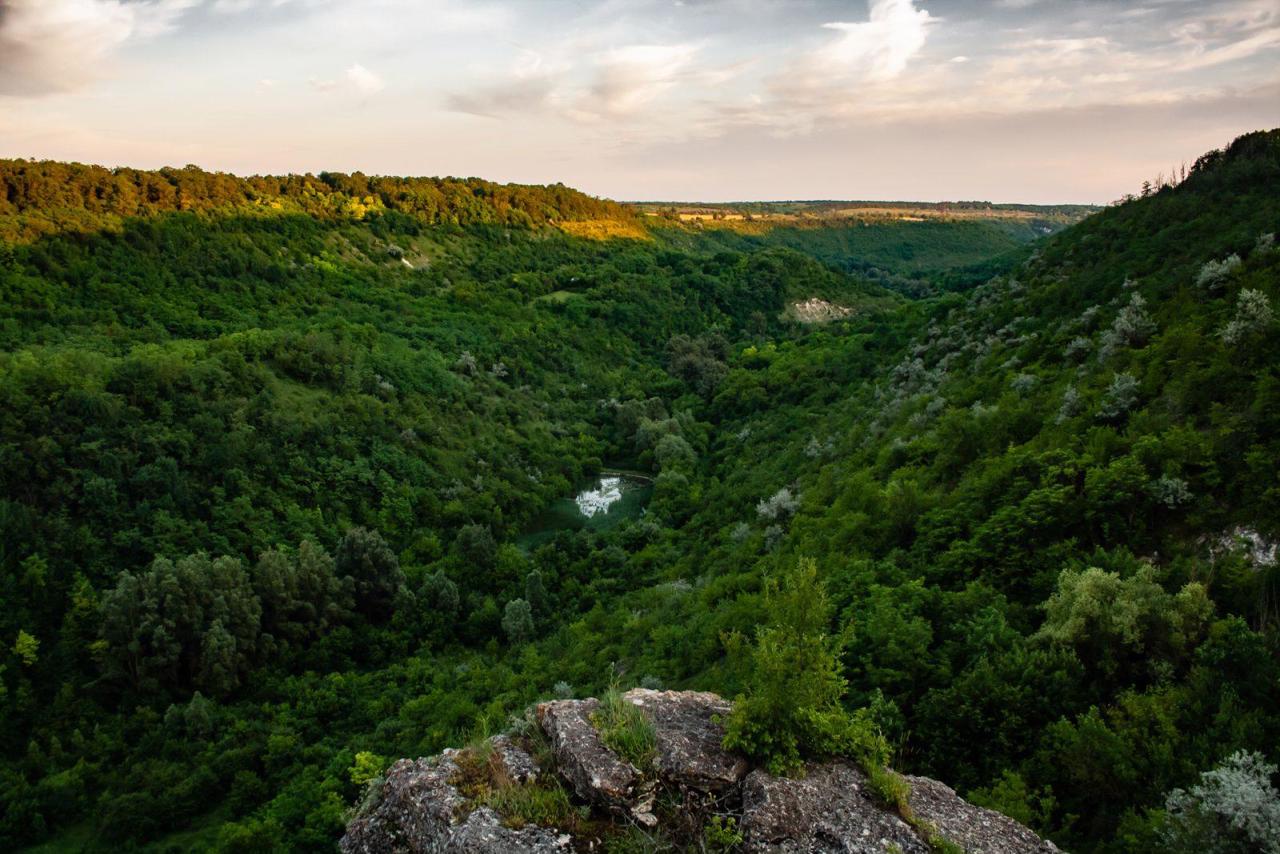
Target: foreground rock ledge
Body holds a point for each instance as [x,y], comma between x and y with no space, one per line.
[432,805]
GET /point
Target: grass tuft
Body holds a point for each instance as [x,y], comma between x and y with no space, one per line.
[625,729]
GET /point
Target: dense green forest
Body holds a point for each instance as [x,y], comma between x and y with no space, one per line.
[270,445]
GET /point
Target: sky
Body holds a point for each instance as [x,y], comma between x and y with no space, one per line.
[1036,101]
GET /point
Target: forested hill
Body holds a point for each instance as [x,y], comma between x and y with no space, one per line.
[42,197]
[266,486]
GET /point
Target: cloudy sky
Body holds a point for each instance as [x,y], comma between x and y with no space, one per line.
[1008,100]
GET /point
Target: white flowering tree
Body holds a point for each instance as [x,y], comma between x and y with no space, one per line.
[1253,315]
[1234,808]
[1214,274]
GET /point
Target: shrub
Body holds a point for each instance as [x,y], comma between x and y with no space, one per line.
[1121,396]
[1213,275]
[1071,405]
[1233,808]
[367,766]
[791,709]
[1253,315]
[779,505]
[721,835]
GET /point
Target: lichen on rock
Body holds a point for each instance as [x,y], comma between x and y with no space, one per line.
[455,802]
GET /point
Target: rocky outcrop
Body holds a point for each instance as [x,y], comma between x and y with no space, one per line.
[977,830]
[689,738]
[485,800]
[419,810]
[828,808]
[596,774]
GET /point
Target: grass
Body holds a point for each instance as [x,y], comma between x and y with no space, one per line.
[542,803]
[484,781]
[625,729]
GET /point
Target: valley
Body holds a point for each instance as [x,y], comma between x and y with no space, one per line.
[303,475]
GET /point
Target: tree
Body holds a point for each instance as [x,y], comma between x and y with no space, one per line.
[1119,625]
[1131,328]
[1121,396]
[517,621]
[439,595]
[476,545]
[27,648]
[535,593]
[302,595]
[1234,808]
[1214,274]
[1253,315]
[193,623]
[365,556]
[673,453]
[791,708]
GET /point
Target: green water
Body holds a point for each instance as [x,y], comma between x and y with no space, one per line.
[605,501]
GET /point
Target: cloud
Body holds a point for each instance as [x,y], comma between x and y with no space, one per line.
[633,77]
[364,80]
[612,85]
[527,88]
[895,32]
[49,46]
[356,79]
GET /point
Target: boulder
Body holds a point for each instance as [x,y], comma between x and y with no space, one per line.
[976,830]
[419,811]
[689,737]
[596,774]
[827,809]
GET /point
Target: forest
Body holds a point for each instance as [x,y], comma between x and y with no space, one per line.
[270,447]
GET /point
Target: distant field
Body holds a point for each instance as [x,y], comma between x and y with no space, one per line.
[732,214]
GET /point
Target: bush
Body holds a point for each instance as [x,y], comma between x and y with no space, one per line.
[1121,396]
[1253,315]
[791,709]
[1213,275]
[779,505]
[1234,808]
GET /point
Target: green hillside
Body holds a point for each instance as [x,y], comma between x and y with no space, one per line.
[271,446]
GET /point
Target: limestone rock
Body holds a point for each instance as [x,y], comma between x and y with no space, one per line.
[419,811]
[976,830]
[688,736]
[828,809]
[516,763]
[596,774]
[426,805]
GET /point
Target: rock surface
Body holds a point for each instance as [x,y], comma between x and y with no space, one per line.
[422,806]
[420,811]
[976,830]
[827,809]
[688,738]
[596,774]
